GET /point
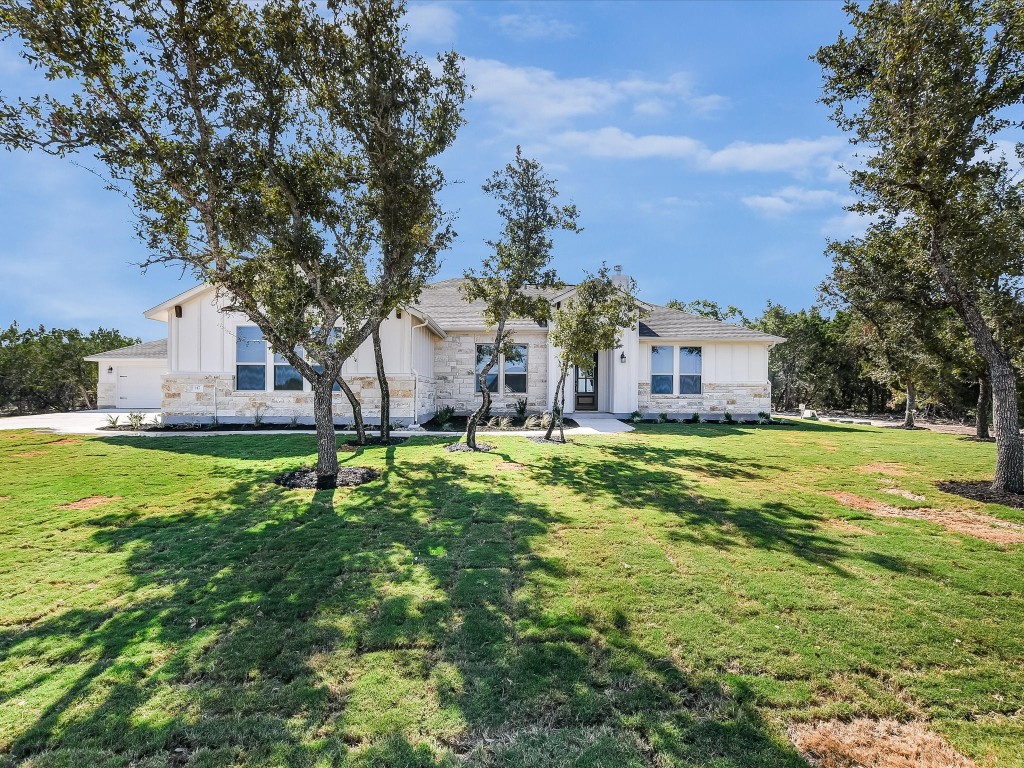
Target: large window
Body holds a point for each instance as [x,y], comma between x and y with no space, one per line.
[508,375]
[661,370]
[689,370]
[667,369]
[250,358]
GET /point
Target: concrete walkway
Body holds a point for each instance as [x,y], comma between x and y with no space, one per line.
[92,423]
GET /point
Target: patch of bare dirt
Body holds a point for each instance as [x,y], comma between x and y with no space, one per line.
[974,524]
[89,502]
[67,441]
[904,493]
[883,468]
[28,454]
[867,743]
[508,466]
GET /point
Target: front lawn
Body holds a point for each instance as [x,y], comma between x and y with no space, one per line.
[676,596]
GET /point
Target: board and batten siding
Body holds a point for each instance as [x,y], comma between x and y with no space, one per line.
[721,362]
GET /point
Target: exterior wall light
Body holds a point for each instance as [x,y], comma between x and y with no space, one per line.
[110,369]
[622,357]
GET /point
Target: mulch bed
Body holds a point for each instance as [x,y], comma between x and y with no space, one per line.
[461,447]
[353,443]
[306,477]
[981,490]
[552,441]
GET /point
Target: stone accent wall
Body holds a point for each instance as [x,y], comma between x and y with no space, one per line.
[742,401]
[216,396]
[106,395]
[455,369]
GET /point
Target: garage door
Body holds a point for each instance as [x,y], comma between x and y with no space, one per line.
[139,387]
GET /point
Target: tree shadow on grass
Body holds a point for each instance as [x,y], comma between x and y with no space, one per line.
[406,622]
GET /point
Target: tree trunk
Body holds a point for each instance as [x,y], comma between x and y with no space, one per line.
[908,418]
[559,387]
[326,444]
[357,410]
[561,416]
[981,420]
[1009,474]
[385,390]
[85,396]
[485,405]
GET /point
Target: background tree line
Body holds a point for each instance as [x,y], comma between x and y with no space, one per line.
[44,370]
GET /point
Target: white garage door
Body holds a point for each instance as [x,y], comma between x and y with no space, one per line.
[138,387]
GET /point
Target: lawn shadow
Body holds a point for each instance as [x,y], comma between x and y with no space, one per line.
[404,622]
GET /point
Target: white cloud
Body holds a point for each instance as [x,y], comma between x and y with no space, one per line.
[796,156]
[534,27]
[849,224]
[792,199]
[431,22]
[532,98]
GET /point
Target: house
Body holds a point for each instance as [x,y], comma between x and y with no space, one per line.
[215,365]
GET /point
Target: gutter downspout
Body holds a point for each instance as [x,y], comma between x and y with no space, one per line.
[415,375]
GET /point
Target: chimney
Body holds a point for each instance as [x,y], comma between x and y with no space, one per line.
[618,278]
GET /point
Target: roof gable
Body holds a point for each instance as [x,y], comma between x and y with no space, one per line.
[666,323]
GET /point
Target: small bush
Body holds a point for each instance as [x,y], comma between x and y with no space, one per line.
[545,420]
[136,420]
[449,427]
[532,422]
[112,419]
[521,407]
[444,414]
[728,418]
[257,415]
[396,425]
[635,416]
[505,422]
[663,418]
[764,417]
[294,422]
[492,423]
[694,419]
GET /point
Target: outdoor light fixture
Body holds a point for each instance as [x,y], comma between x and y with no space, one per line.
[622,357]
[110,369]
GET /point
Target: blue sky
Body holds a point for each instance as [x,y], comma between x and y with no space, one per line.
[687,133]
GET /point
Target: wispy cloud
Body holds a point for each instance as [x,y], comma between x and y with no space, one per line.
[793,199]
[791,156]
[527,99]
[534,27]
[434,22]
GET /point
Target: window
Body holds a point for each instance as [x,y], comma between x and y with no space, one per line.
[483,356]
[665,371]
[250,358]
[508,375]
[285,375]
[661,370]
[515,371]
[689,370]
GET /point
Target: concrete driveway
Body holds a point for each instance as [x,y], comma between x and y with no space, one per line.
[92,422]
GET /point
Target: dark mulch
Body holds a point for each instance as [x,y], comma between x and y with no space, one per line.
[553,441]
[981,490]
[461,447]
[374,441]
[305,477]
[273,426]
[458,424]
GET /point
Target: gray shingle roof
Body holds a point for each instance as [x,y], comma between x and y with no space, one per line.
[662,322]
[444,303]
[147,350]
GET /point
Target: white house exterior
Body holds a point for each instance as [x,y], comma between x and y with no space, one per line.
[214,365]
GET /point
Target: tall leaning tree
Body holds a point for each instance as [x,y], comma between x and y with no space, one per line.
[514,277]
[926,86]
[281,151]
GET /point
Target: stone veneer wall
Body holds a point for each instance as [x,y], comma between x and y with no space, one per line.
[740,400]
[181,404]
[106,394]
[455,369]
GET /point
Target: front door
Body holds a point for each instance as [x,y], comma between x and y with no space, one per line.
[586,388]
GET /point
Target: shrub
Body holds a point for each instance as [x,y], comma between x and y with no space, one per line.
[444,414]
[112,420]
[449,427]
[545,420]
[136,420]
[694,419]
[257,415]
[728,417]
[492,423]
[521,407]
[635,416]
[764,417]
[505,422]
[294,422]
[662,418]
[532,422]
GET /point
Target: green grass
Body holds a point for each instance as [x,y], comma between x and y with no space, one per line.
[674,596]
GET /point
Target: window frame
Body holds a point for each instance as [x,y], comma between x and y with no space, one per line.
[676,373]
[250,364]
[499,387]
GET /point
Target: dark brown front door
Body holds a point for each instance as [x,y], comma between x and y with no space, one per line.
[586,388]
